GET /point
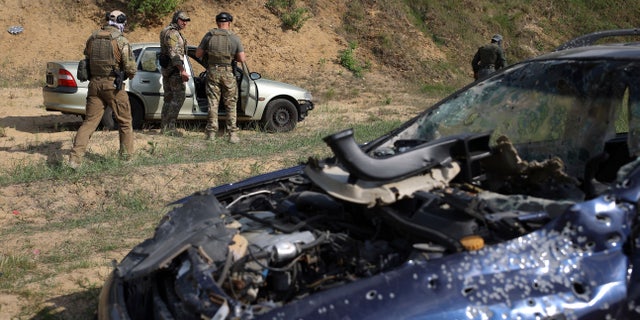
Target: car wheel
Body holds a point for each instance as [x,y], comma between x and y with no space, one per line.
[281,116]
[137,114]
[108,121]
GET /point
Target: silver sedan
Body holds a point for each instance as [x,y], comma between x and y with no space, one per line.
[275,106]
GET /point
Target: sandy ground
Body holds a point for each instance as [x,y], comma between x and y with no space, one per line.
[29,134]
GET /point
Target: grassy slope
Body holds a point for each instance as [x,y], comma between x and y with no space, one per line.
[457,28]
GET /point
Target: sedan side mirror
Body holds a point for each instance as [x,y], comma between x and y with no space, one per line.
[254,76]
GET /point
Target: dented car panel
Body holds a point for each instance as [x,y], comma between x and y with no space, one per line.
[572,267]
[514,198]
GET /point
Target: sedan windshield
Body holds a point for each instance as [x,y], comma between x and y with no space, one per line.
[545,108]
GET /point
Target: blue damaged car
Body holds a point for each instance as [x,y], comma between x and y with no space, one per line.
[516,197]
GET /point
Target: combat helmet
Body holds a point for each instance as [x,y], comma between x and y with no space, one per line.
[496,38]
[117,16]
[224,17]
[180,15]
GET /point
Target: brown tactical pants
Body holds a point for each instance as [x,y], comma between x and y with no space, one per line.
[101,93]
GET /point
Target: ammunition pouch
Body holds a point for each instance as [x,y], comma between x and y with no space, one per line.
[83,73]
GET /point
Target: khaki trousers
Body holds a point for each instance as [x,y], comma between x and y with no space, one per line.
[102,93]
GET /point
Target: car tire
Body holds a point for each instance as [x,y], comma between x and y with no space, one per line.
[280,116]
[137,114]
[108,121]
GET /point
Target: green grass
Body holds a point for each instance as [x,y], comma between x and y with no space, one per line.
[13,268]
[193,150]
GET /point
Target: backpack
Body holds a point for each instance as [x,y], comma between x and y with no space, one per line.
[219,47]
[103,53]
[488,54]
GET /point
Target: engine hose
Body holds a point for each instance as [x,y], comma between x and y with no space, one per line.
[282,228]
[225,269]
[423,231]
[316,201]
[321,239]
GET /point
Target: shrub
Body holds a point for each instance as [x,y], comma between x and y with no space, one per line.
[292,18]
[152,11]
[349,61]
[295,19]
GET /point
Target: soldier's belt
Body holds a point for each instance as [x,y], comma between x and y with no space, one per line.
[221,66]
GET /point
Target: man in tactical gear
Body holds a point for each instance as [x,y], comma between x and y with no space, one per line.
[222,47]
[110,61]
[489,58]
[172,53]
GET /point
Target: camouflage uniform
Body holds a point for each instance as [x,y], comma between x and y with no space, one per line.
[173,44]
[487,60]
[102,93]
[221,81]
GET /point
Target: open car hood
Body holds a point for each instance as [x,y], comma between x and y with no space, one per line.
[408,236]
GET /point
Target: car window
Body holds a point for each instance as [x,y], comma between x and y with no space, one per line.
[634,118]
[197,67]
[149,61]
[545,108]
[622,121]
[136,53]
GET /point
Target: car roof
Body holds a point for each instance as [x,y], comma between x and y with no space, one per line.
[594,46]
[140,45]
[592,38]
[629,51]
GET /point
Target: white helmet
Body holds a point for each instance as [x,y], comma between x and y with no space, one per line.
[117,16]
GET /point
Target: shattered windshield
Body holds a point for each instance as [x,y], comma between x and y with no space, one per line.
[546,108]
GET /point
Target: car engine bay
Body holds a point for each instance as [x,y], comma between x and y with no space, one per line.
[244,255]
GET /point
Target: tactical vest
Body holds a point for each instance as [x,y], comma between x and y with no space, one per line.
[164,47]
[488,55]
[163,41]
[219,47]
[103,53]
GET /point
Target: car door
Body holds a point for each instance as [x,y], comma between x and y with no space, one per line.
[247,91]
[247,88]
[147,84]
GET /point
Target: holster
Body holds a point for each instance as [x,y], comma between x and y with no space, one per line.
[119,81]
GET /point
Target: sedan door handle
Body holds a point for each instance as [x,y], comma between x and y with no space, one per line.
[145,80]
